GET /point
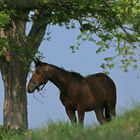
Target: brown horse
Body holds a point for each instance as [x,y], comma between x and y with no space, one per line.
[95,92]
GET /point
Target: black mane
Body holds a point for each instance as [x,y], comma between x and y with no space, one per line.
[73,73]
[78,75]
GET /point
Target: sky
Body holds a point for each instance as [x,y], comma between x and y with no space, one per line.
[45,106]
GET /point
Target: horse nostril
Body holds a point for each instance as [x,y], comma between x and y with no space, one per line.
[29,91]
[31,87]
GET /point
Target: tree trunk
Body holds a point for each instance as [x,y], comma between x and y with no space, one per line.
[14,75]
[15,101]
[15,65]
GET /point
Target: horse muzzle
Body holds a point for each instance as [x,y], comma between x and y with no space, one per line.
[31,87]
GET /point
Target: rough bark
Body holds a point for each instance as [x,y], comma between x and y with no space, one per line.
[14,68]
[15,100]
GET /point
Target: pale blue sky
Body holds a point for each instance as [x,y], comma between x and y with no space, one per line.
[85,61]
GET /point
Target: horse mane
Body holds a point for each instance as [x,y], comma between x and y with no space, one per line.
[78,75]
[73,73]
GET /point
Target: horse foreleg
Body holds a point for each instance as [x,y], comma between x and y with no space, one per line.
[81,114]
[100,116]
[71,115]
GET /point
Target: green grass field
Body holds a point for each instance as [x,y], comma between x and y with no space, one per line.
[124,127]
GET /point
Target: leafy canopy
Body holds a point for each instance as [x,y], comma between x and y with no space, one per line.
[109,24]
[4,17]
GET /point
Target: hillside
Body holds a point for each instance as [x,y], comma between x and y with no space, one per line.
[124,127]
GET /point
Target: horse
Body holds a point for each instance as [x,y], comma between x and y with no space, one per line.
[78,93]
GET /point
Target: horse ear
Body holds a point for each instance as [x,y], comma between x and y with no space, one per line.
[37,62]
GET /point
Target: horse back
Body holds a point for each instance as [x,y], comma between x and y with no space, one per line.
[102,85]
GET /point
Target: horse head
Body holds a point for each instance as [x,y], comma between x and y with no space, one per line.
[39,76]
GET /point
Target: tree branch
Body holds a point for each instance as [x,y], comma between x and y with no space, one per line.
[36,34]
[24,4]
[31,4]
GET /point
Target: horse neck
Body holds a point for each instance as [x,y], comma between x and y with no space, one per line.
[58,77]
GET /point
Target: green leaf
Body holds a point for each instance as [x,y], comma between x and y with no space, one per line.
[4,19]
[108,58]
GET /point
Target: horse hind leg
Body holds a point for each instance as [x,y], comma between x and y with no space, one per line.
[110,111]
[100,116]
[107,114]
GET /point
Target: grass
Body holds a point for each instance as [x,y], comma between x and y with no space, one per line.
[126,127]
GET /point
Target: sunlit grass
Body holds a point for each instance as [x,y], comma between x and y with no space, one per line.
[126,127]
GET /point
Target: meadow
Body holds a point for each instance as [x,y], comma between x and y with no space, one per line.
[125,126]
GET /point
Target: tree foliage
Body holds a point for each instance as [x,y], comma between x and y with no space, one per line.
[109,24]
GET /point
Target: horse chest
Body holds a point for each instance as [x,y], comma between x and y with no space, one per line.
[67,102]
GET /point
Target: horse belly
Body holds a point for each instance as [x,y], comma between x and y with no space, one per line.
[92,103]
[89,105]
[89,108]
